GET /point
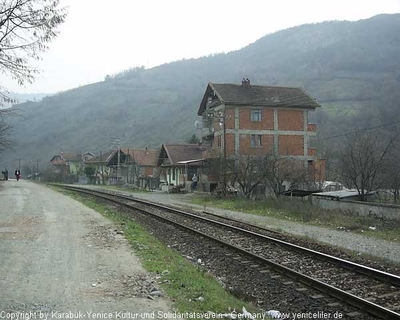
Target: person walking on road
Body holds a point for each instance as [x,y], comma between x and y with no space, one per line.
[17,174]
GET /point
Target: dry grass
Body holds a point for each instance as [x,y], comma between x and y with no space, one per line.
[304,212]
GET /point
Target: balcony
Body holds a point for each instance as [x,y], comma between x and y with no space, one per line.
[213,103]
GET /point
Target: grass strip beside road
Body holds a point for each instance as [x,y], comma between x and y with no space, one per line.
[183,282]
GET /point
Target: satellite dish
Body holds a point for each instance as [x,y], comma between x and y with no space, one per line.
[197,124]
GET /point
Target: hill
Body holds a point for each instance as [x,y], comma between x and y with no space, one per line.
[352,68]
[15,97]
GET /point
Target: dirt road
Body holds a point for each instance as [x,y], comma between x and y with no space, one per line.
[59,258]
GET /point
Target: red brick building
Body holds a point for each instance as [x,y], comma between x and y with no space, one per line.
[251,120]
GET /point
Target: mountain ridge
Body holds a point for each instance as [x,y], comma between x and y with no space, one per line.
[351,68]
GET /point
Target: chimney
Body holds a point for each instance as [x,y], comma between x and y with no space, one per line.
[245,82]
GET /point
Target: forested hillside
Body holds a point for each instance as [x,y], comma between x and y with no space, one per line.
[351,68]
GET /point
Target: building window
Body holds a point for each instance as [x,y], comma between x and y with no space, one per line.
[219,141]
[312,142]
[255,140]
[173,174]
[256,115]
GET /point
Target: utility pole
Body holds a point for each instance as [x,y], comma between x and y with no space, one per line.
[117,141]
[119,159]
[222,120]
[19,163]
[102,167]
[127,166]
[224,129]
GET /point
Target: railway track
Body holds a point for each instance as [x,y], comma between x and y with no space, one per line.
[367,289]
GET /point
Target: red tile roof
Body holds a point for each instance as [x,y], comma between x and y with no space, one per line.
[181,152]
[145,157]
[67,157]
[103,158]
[253,95]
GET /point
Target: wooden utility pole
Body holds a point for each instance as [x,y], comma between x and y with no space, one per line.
[127,166]
[119,159]
[102,167]
[117,141]
[224,164]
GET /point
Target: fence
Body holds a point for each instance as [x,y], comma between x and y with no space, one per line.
[378,210]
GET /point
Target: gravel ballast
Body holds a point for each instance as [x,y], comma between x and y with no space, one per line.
[362,245]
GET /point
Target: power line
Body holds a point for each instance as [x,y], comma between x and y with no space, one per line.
[360,130]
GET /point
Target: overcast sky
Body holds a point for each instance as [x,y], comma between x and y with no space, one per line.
[103,37]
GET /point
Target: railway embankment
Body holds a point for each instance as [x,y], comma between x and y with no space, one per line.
[360,244]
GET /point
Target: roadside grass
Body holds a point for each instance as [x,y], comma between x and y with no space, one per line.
[182,281]
[304,212]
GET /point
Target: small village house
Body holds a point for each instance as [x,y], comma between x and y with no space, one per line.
[141,167]
[70,163]
[178,163]
[102,171]
[127,166]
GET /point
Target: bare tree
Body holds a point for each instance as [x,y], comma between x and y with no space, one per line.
[330,150]
[4,134]
[364,159]
[26,26]
[280,170]
[5,127]
[392,171]
[248,172]
[393,180]
[271,171]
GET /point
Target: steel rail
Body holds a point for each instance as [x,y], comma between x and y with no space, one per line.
[352,266]
[348,298]
[240,221]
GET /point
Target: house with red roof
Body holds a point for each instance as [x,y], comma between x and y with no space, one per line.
[141,166]
[129,166]
[100,163]
[246,120]
[178,162]
[70,163]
